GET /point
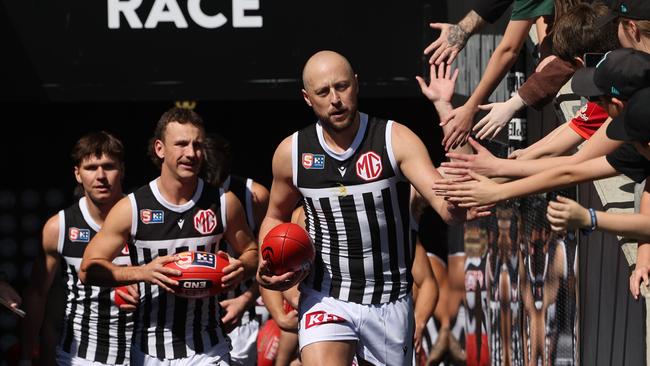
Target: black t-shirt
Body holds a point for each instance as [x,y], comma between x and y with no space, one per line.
[491,10]
[628,161]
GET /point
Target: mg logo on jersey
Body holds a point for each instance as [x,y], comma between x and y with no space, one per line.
[369,166]
[78,235]
[320,317]
[152,216]
[313,161]
[205,221]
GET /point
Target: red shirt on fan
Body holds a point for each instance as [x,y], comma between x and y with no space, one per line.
[588,120]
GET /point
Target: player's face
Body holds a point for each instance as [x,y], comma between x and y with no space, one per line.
[101,178]
[332,94]
[181,150]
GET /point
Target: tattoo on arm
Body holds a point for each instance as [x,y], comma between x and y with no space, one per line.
[470,24]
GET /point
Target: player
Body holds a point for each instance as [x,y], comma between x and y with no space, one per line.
[174,213]
[94,328]
[352,173]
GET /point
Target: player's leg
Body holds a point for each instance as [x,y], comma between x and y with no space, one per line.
[335,353]
[287,347]
[441,312]
[328,329]
[386,333]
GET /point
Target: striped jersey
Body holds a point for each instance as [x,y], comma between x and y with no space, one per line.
[357,213]
[94,328]
[242,188]
[167,326]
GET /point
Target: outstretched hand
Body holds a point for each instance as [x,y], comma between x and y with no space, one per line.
[451,41]
[442,84]
[483,162]
[639,276]
[459,123]
[473,190]
[565,213]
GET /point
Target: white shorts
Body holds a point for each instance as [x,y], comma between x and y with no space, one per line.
[217,355]
[244,343]
[384,333]
[64,358]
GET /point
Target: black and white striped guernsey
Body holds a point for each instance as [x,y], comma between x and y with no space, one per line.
[94,328]
[242,188]
[357,213]
[167,326]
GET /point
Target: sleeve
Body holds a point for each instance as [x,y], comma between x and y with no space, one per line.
[541,87]
[491,10]
[628,161]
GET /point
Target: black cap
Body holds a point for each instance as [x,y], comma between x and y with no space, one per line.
[632,9]
[633,124]
[619,74]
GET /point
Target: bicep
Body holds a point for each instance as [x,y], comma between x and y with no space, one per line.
[48,259]
[284,195]
[414,162]
[114,234]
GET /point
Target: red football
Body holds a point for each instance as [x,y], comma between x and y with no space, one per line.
[287,247]
[268,339]
[201,273]
[118,299]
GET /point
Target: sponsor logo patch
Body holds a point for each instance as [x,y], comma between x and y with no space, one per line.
[369,166]
[313,161]
[199,259]
[205,221]
[320,317]
[148,216]
[77,235]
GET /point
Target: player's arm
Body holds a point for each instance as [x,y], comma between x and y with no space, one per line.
[44,271]
[283,199]
[413,160]
[97,266]
[427,292]
[483,191]
[239,236]
[260,204]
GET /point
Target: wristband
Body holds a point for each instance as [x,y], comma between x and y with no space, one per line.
[594,223]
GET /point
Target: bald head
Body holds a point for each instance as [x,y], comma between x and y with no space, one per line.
[324,62]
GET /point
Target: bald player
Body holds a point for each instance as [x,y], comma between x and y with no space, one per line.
[353,174]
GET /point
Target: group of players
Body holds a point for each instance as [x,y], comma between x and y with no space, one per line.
[351,174]
[357,180]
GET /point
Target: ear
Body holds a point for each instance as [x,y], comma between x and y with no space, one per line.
[159,149]
[77,176]
[579,61]
[305,96]
[619,103]
[356,82]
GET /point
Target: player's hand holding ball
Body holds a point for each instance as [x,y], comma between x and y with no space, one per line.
[287,256]
[156,272]
[233,273]
[127,297]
